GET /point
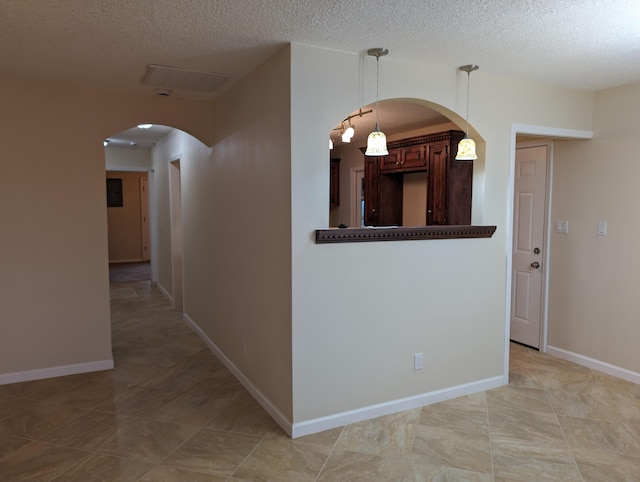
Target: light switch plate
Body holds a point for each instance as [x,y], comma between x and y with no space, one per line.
[562,227]
[602,228]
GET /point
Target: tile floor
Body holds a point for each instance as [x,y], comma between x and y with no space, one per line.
[170,411]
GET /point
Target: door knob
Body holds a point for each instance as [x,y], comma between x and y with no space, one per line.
[535,264]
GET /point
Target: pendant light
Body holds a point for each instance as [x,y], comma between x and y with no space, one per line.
[377,141]
[467,146]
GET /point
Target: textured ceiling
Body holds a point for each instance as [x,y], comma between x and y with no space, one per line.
[587,44]
[583,44]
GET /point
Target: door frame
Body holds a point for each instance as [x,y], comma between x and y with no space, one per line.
[550,133]
[546,236]
[175,220]
[355,206]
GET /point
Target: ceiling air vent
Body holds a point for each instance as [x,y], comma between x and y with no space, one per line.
[176,78]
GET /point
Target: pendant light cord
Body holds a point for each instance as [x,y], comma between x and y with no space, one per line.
[377,90]
[468,85]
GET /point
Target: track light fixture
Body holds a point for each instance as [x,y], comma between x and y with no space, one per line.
[348,133]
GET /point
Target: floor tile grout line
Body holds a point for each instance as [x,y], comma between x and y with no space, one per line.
[86,452]
[564,435]
[252,450]
[161,462]
[486,406]
[407,464]
[330,453]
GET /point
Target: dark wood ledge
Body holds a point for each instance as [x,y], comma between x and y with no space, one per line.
[401,233]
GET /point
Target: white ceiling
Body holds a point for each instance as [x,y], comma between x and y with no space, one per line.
[583,44]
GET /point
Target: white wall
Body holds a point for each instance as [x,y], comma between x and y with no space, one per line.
[594,280]
[361,310]
[127,158]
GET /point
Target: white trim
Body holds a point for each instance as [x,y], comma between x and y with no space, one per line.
[354,204]
[308,427]
[133,260]
[548,184]
[165,293]
[598,365]
[277,415]
[553,132]
[128,168]
[60,371]
[352,416]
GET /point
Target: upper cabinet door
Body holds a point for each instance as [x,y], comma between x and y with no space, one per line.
[405,159]
[393,161]
[437,184]
[414,157]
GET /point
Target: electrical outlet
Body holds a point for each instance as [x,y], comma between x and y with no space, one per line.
[417,361]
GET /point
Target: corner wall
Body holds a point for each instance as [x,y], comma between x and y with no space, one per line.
[361,310]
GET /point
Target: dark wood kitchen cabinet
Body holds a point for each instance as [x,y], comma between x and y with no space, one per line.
[405,159]
[334,182]
[448,182]
[382,195]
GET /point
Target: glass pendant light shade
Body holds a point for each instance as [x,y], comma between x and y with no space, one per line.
[466,150]
[377,144]
[467,146]
[377,141]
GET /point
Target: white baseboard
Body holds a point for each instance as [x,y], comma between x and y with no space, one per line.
[271,409]
[132,260]
[595,364]
[56,371]
[321,424]
[365,413]
[165,293]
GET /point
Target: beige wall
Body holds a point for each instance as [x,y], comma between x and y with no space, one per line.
[361,310]
[594,280]
[54,292]
[237,228]
[124,223]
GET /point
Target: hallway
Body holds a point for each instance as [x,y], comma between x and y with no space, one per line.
[170,411]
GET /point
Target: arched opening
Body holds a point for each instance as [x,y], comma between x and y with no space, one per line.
[144,224]
[130,201]
[414,187]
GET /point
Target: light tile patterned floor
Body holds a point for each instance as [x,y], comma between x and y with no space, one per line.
[170,411]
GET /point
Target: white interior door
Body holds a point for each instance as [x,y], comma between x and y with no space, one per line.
[529,249]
